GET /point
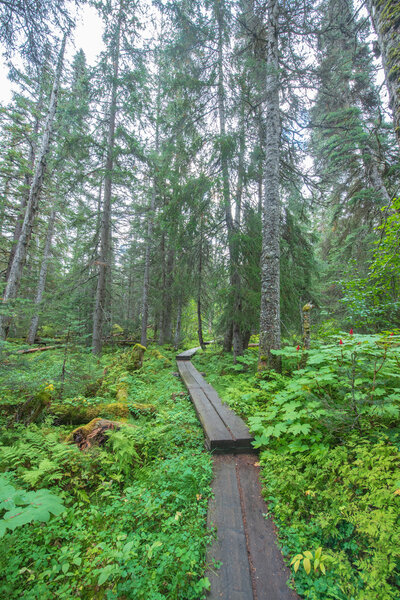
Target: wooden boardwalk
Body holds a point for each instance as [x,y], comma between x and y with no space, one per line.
[252,566]
[224,430]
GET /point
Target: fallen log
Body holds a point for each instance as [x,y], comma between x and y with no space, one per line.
[42,349]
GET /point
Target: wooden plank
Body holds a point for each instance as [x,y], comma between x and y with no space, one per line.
[217,435]
[252,565]
[239,430]
[186,375]
[232,581]
[235,424]
[269,572]
[187,355]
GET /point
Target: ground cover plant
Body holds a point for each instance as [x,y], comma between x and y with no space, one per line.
[328,432]
[126,519]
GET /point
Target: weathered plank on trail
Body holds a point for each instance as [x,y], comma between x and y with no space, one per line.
[186,375]
[232,581]
[217,435]
[188,354]
[252,565]
[236,426]
[268,571]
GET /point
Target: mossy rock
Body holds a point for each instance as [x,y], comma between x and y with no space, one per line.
[33,408]
[74,414]
[139,409]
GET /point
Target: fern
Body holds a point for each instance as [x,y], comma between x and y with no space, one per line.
[47,470]
[123,444]
[37,458]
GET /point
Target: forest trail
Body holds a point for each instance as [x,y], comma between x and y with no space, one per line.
[252,565]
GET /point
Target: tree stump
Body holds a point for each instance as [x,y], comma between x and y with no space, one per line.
[92,434]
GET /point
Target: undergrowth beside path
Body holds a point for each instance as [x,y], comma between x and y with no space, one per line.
[329,439]
[134,524]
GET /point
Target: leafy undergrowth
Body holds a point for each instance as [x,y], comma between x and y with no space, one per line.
[329,438]
[134,523]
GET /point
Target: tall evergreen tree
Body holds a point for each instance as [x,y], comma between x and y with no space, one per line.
[105,229]
[270,326]
[15,273]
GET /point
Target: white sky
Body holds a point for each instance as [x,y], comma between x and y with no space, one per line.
[87,35]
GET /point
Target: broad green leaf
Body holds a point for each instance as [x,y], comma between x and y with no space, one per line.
[307,565]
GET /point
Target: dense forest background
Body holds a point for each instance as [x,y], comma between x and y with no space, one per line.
[133,192]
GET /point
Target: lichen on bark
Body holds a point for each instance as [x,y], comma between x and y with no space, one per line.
[385,15]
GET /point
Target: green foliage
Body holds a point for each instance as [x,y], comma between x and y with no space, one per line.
[372,301]
[310,561]
[23,507]
[345,500]
[18,385]
[344,386]
[134,524]
[329,438]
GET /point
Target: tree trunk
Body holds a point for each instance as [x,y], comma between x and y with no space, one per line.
[237,325]
[199,288]
[373,174]
[270,333]
[307,325]
[200,323]
[42,278]
[178,327]
[167,298]
[12,285]
[261,137]
[28,182]
[161,339]
[105,227]
[233,324]
[385,16]
[146,276]
[227,343]
[131,307]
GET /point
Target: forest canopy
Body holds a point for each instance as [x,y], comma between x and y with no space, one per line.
[217,158]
